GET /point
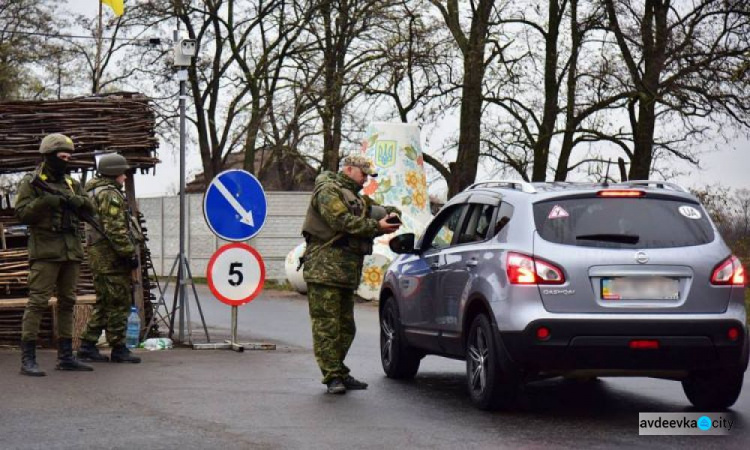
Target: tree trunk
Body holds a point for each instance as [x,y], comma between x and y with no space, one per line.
[551,91]
[330,113]
[252,134]
[654,36]
[643,141]
[464,170]
[571,124]
[209,169]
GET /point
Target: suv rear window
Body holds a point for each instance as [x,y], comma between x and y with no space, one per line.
[623,222]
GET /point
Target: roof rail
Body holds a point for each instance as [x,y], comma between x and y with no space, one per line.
[657,183]
[521,185]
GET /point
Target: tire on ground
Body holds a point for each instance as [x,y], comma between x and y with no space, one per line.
[399,360]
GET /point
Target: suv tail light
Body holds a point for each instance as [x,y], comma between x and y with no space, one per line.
[524,269]
[621,193]
[729,272]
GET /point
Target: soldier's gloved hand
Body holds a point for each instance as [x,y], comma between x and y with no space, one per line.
[394,210]
[386,227]
[52,201]
[131,262]
[76,201]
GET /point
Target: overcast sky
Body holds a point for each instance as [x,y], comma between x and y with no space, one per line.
[729,166]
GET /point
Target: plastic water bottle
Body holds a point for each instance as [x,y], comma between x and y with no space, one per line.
[134,328]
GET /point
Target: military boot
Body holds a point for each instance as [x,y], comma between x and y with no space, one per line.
[353,384]
[336,387]
[28,360]
[120,354]
[89,353]
[65,358]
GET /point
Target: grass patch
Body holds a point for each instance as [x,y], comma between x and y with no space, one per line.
[172,280]
[275,285]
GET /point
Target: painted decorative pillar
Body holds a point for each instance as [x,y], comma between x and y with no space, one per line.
[395,149]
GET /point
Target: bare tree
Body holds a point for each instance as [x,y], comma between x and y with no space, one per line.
[681,60]
[263,39]
[218,97]
[473,46]
[416,58]
[24,29]
[341,32]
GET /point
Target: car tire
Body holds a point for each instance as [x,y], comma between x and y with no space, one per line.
[491,378]
[714,390]
[399,360]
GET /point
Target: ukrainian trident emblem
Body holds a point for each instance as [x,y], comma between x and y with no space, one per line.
[385,153]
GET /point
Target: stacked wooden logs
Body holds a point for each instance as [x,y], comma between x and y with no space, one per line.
[14,275]
[118,122]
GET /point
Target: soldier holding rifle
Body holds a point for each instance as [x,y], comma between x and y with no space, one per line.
[112,255]
[49,201]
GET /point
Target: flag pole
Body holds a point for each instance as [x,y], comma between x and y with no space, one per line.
[98,63]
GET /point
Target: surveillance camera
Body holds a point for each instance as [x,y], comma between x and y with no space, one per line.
[184,51]
[187,47]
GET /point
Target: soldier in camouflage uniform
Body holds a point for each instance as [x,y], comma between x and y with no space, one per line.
[55,250]
[339,230]
[112,261]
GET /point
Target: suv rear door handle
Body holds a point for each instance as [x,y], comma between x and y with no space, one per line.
[472,263]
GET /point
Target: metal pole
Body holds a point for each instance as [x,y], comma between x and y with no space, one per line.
[234,326]
[98,63]
[181,273]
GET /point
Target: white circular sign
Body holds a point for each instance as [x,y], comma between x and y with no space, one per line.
[236,274]
[690,212]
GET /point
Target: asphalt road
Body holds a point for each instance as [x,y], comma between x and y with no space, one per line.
[192,399]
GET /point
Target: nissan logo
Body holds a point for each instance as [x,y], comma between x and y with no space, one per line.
[641,257]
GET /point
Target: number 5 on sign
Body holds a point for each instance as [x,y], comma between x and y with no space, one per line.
[236,274]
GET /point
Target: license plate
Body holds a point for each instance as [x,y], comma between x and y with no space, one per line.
[640,288]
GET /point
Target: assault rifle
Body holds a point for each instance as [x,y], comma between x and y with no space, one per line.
[83,215]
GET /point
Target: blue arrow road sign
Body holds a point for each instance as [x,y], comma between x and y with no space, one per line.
[234,205]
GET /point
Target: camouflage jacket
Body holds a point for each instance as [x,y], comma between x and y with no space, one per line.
[339,264]
[54,229]
[106,256]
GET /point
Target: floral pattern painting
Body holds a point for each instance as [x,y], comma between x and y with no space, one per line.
[401,182]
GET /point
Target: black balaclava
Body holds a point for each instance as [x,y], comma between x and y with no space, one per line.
[55,165]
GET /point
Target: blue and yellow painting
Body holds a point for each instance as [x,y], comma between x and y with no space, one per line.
[385,153]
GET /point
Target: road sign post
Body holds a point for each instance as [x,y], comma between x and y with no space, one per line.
[236,274]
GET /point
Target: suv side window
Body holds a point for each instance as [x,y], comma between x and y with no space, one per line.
[477,223]
[501,221]
[441,231]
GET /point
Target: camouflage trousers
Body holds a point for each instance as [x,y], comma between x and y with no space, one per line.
[333,329]
[111,310]
[46,278]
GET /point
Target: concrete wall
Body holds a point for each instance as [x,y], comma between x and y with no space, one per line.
[280,234]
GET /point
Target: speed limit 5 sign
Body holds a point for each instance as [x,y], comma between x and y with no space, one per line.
[236,274]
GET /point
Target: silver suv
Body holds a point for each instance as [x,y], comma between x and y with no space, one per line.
[533,280]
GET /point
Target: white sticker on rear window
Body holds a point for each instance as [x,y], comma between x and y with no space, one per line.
[557,213]
[690,212]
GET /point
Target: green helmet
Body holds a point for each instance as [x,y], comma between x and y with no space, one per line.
[56,143]
[113,165]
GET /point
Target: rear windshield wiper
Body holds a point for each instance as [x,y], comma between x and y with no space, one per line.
[619,238]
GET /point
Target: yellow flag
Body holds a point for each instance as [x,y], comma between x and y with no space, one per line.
[117,6]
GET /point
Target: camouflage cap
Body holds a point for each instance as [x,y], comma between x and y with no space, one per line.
[56,142]
[361,162]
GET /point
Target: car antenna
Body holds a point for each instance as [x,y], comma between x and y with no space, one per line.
[606,175]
